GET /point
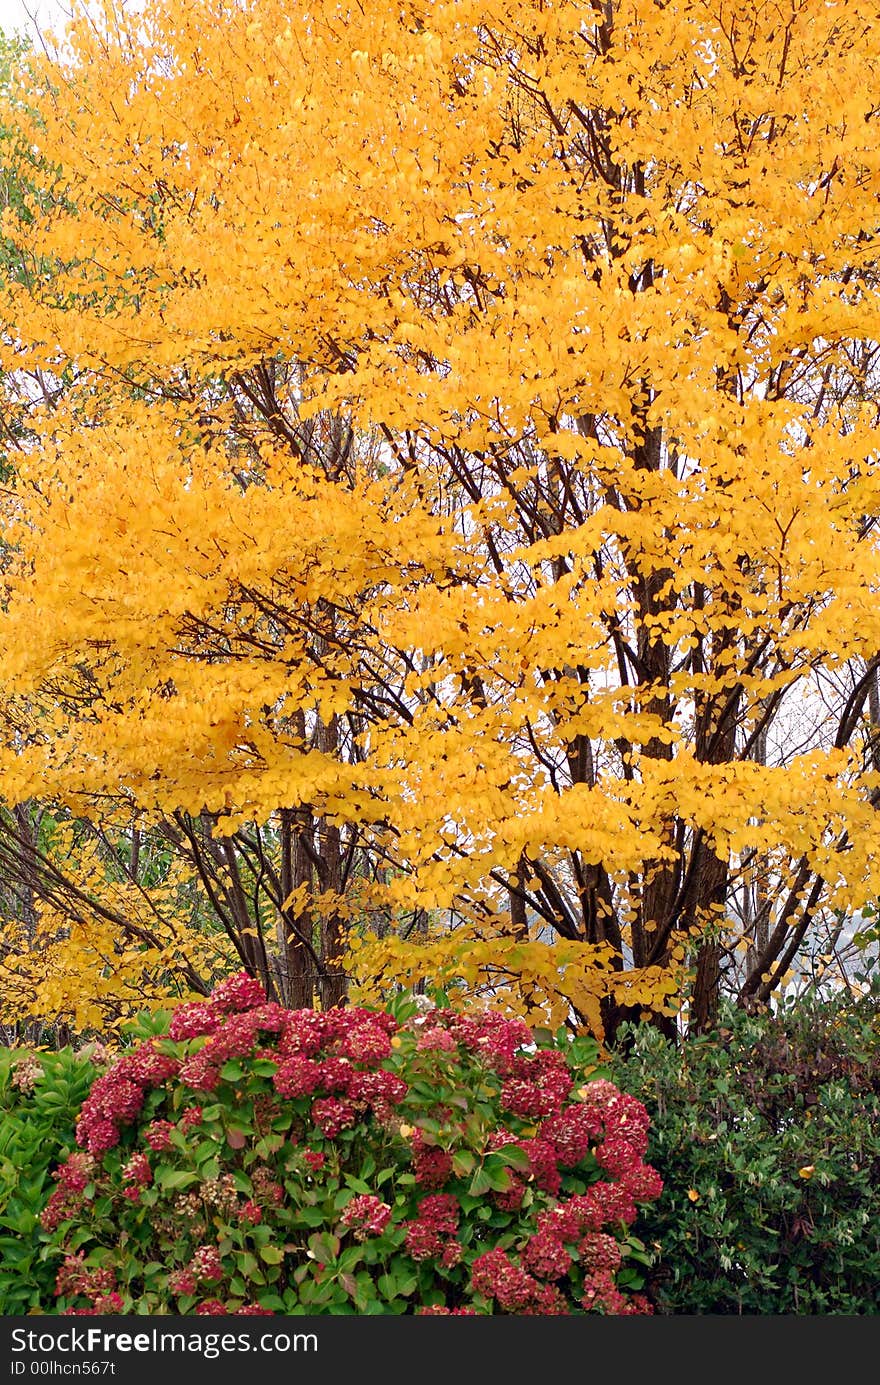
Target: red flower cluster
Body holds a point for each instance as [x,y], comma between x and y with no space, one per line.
[367,1215]
[494,1275]
[138,1170]
[601,1295]
[332,1115]
[117,1097]
[266,1188]
[431,1234]
[74,1278]
[158,1135]
[572,1133]
[621,1114]
[432,1165]
[542,1171]
[333,1067]
[238,992]
[490,1034]
[566,1233]
[110,1304]
[206,1264]
[182,1282]
[73,1177]
[366,1041]
[192,1021]
[333,1054]
[546,1256]
[620,1158]
[336,1074]
[297,1076]
[378,1089]
[136,1175]
[598,1251]
[211,1307]
[542,1164]
[439,1310]
[200,1073]
[536,1084]
[436,1039]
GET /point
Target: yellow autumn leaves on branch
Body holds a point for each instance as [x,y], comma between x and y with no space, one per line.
[448,524]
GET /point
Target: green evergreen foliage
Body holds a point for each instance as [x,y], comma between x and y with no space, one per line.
[766,1133]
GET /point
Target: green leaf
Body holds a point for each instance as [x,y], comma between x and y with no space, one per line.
[271,1255]
[500,1180]
[324,1247]
[273,1301]
[357,1184]
[515,1157]
[264,1067]
[175,1178]
[469,1203]
[269,1145]
[480,1183]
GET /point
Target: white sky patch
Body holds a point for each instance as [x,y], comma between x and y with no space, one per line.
[31,17]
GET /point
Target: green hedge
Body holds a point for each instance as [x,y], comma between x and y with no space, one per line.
[40,1097]
[767,1136]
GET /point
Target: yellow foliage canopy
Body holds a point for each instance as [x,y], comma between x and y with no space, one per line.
[466,438]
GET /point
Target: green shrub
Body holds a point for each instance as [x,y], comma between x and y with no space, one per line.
[257,1159]
[40,1098]
[767,1136]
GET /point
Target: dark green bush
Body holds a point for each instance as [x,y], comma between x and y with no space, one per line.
[40,1097]
[767,1136]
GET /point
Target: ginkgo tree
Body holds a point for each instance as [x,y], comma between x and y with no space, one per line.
[460,510]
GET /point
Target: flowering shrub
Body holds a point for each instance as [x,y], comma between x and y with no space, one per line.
[255,1159]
